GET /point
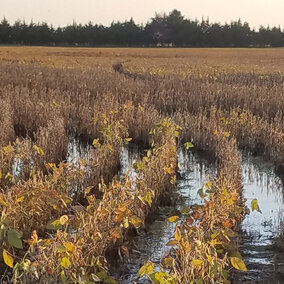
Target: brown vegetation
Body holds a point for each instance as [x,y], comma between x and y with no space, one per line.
[59,219]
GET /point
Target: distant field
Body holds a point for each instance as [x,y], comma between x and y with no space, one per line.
[69,211]
[258,60]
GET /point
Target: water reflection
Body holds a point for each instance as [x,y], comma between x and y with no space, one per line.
[260,230]
[151,243]
[129,154]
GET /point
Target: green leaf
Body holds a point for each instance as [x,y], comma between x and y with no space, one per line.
[238,263]
[106,278]
[146,269]
[14,239]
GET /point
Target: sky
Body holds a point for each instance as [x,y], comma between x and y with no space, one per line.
[63,12]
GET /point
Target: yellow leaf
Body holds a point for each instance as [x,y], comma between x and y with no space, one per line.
[141,199]
[173,219]
[136,221]
[168,170]
[128,139]
[209,257]
[88,190]
[148,198]
[225,192]
[146,269]
[55,104]
[238,263]
[230,202]
[20,199]
[168,261]
[254,205]
[186,246]
[69,247]
[0,174]
[208,184]
[2,202]
[177,234]
[96,143]
[196,262]
[227,134]
[8,259]
[65,262]
[185,210]
[188,145]
[51,166]
[63,219]
[34,238]
[172,243]
[125,223]
[110,147]
[38,150]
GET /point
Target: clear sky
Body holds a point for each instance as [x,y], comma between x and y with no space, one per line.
[63,12]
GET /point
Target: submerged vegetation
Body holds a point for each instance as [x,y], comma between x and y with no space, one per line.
[65,221]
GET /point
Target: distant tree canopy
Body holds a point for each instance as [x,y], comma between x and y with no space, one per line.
[171,29]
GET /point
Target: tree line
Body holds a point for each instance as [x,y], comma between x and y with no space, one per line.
[171,29]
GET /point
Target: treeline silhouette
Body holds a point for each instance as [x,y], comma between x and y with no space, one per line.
[171,29]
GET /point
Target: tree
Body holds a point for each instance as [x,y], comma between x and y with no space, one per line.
[164,29]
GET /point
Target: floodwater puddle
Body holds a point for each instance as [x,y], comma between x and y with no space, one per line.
[129,154]
[261,231]
[79,150]
[151,242]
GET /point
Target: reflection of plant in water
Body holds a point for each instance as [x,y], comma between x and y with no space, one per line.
[40,105]
[77,250]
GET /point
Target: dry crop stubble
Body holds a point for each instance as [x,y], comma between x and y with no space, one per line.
[222,98]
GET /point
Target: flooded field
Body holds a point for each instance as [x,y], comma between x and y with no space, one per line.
[81,202]
[259,230]
[151,243]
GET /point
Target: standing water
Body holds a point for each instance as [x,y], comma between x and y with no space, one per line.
[261,230]
[151,243]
